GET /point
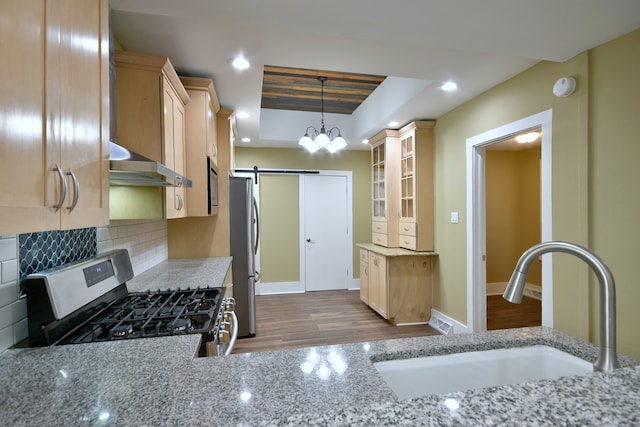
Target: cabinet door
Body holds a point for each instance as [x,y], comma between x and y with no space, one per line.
[378,294]
[364,276]
[33,187]
[56,141]
[79,68]
[407,178]
[212,146]
[378,164]
[173,111]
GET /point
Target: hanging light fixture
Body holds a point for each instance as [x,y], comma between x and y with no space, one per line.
[331,141]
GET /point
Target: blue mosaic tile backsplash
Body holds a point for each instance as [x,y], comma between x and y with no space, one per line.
[49,249]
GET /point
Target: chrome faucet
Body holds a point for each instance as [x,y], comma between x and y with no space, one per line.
[607,360]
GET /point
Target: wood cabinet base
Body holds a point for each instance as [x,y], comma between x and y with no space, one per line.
[398,287]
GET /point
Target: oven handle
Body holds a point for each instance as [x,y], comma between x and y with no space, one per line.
[234,334]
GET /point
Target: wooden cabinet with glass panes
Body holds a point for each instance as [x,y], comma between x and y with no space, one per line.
[415,227]
[385,161]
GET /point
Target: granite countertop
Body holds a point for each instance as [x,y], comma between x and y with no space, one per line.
[157,381]
[182,274]
[383,250]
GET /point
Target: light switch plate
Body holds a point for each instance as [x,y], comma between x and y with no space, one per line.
[454,217]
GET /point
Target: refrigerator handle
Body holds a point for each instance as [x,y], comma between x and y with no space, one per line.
[255,244]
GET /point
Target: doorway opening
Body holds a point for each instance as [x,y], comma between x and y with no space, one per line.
[513,224]
[477,216]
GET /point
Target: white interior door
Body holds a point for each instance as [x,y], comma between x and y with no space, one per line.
[326,232]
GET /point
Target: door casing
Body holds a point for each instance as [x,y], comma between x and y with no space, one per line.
[476,217]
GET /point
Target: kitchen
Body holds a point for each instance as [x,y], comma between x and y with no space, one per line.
[599,115]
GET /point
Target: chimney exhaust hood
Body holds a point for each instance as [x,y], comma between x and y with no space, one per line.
[129,168]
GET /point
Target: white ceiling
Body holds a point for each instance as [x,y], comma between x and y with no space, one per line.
[420,44]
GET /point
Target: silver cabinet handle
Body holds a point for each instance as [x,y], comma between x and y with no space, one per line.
[180,202]
[76,190]
[63,184]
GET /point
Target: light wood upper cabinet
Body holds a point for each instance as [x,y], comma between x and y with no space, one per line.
[416,186]
[151,116]
[54,88]
[201,141]
[385,160]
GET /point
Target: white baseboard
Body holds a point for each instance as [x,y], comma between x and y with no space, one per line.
[273,288]
[279,288]
[445,324]
[530,290]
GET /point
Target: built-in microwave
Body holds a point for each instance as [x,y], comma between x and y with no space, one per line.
[213,187]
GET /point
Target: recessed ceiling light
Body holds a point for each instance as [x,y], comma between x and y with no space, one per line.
[527,137]
[365,141]
[245,139]
[393,123]
[240,63]
[242,115]
[449,86]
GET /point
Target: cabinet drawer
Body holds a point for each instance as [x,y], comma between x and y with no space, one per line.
[364,256]
[380,239]
[379,227]
[408,242]
[407,229]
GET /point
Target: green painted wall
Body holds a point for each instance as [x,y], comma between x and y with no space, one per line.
[358,162]
[614,176]
[279,228]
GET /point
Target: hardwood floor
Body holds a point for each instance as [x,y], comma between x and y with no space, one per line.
[502,314]
[319,318]
[339,317]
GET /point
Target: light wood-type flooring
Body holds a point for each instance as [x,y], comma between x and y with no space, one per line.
[502,314]
[339,317]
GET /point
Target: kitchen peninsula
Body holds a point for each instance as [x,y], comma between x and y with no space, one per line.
[158,381]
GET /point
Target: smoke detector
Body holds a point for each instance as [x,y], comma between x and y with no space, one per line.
[564,86]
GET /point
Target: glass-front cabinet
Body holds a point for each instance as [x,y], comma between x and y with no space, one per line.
[384,166]
[379,200]
[416,186]
[406,177]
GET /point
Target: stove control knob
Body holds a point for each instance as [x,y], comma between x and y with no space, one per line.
[230,304]
[227,316]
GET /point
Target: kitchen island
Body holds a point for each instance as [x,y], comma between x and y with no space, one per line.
[159,381]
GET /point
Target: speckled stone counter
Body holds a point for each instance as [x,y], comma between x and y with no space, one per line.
[393,251]
[182,274]
[156,381]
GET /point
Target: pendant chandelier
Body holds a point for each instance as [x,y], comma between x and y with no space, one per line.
[331,141]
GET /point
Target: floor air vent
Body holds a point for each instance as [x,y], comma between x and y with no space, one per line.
[442,326]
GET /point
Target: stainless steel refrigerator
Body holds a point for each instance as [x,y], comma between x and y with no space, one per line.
[244,234]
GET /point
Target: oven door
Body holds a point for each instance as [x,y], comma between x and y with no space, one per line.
[212,187]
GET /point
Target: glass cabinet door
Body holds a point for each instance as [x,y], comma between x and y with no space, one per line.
[407,177]
[379,194]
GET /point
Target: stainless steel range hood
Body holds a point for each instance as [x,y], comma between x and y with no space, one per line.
[129,168]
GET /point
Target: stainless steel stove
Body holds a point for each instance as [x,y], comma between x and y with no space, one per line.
[88,302]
